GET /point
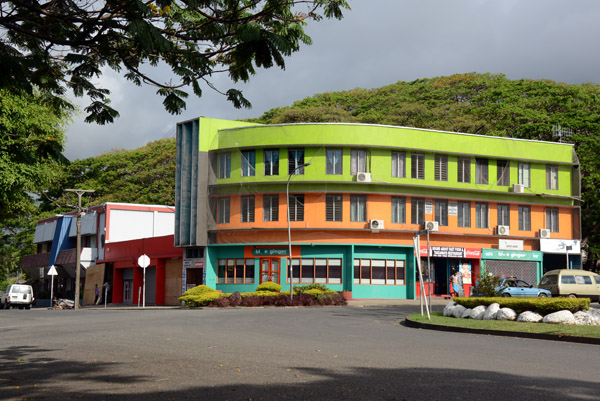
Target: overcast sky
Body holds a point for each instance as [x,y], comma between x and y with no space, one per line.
[379,42]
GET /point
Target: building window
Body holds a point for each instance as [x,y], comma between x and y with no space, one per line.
[524,177]
[552,219]
[503,173]
[464,214]
[379,271]
[333,207]
[270,207]
[398,209]
[296,161]
[417,166]
[417,211]
[271,162]
[464,170]
[236,271]
[481,215]
[524,218]
[247,209]
[223,211]
[296,205]
[317,270]
[333,161]
[358,161]
[358,208]
[399,164]
[248,163]
[441,168]
[551,177]
[503,215]
[441,212]
[225,165]
[481,171]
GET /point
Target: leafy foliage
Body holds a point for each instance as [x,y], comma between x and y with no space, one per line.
[55,45]
[543,306]
[486,104]
[268,286]
[487,284]
[145,175]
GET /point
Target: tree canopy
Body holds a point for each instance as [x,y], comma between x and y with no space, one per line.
[57,45]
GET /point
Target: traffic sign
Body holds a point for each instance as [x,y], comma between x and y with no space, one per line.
[52,271]
[144,261]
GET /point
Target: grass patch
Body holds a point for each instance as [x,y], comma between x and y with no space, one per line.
[502,325]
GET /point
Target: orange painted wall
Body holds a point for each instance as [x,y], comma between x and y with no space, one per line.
[379,207]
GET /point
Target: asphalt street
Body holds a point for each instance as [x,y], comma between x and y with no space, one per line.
[331,353]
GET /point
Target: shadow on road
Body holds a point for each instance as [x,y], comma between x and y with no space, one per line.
[26,374]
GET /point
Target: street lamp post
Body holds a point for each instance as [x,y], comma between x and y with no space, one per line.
[287,199]
[79,193]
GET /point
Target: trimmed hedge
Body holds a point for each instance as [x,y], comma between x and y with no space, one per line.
[268,286]
[200,295]
[543,306]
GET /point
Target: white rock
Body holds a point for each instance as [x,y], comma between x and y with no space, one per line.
[595,313]
[530,317]
[458,310]
[560,317]
[585,318]
[448,308]
[491,311]
[478,312]
[506,314]
[467,313]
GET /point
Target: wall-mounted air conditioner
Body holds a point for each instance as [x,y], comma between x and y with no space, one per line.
[544,233]
[502,230]
[376,224]
[518,188]
[431,225]
[363,177]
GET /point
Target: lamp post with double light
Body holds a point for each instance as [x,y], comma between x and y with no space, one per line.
[287,197]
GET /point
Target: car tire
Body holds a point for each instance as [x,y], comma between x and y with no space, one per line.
[27,307]
[572,296]
[542,295]
[506,295]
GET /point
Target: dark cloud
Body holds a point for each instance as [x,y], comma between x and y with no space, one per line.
[379,43]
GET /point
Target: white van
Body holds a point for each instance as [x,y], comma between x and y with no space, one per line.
[20,295]
[572,283]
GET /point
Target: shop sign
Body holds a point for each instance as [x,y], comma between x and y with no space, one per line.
[270,252]
[452,208]
[510,255]
[428,206]
[199,264]
[510,244]
[192,263]
[451,252]
[560,246]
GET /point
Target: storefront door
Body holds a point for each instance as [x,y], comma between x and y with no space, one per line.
[127,291]
[269,270]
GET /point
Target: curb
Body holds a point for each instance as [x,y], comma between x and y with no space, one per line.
[536,336]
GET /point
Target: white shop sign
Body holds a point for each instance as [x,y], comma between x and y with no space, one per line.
[510,244]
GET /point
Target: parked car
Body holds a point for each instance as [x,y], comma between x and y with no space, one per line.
[513,287]
[20,295]
[572,283]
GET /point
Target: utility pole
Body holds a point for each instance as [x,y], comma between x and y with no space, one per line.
[79,193]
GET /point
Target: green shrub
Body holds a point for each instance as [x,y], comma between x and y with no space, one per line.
[200,295]
[268,286]
[487,284]
[543,306]
[260,294]
[304,288]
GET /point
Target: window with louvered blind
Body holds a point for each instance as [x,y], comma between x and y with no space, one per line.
[333,207]
[270,207]
[223,210]
[358,208]
[441,168]
[524,218]
[481,171]
[503,172]
[247,209]
[417,166]
[296,205]
[464,170]
[503,214]
[398,209]
[295,161]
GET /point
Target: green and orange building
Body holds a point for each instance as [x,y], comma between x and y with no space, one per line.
[358,194]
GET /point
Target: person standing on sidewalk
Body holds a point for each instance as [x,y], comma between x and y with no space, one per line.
[97,293]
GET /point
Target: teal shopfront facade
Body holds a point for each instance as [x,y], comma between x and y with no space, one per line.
[525,265]
[361,271]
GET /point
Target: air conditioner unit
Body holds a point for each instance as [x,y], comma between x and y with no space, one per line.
[431,225]
[502,230]
[363,177]
[544,233]
[518,188]
[376,224]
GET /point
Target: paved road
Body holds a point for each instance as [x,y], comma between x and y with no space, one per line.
[335,353]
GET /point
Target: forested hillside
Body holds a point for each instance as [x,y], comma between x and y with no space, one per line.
[483,104]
